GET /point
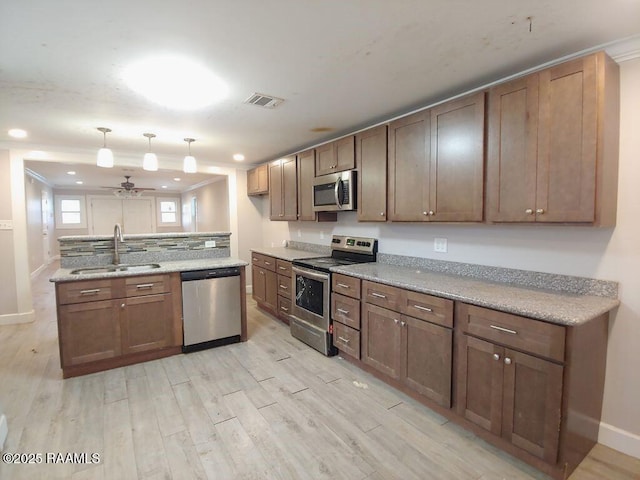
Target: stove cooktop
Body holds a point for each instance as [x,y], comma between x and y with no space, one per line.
[344,251]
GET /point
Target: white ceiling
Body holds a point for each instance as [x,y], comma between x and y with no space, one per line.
[340,65]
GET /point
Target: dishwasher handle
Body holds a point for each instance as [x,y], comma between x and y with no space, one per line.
[212,273]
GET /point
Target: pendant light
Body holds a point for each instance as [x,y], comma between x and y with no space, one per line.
[189,165]
[150,161]
[105,155]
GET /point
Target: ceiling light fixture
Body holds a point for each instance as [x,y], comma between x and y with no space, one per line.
[105,155]
[71,172]
[150,161]
[238,157]
[17,133]
[177,179]
[79,182]
[189,165]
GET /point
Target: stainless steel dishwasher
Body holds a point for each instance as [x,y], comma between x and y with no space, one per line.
[211,309]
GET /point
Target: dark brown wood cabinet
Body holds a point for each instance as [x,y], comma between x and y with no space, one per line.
[271,283]
[345,312]
[258,180]
[146,323]
[371,157]
[306,175]
[335,156]
[283,192]
[381,339]
[553,145]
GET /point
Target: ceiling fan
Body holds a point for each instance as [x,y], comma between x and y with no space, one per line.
[128,189]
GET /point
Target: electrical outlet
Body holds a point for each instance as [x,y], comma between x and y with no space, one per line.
[6,224]
[440,245]
[210,244]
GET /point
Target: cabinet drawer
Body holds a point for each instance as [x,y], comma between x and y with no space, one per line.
[520,333]
[87,291]
[426,307]
[345,310]
[283,267]
[284,286]
[345,285]
[147,285]
[284,308]
[263,261]
[382,295]
[346,339]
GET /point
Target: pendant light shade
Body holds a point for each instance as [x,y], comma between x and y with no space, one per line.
[189,165]
[105,155]
[150,161]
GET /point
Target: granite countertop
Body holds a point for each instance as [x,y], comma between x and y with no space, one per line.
[551,306]
[145,235]
[288,254]
[65,275]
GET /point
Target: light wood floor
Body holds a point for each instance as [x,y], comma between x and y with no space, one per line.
[267,408]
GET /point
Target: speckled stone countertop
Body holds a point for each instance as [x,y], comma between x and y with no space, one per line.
[145,235]
[287,254]
[65,275]
[551,306]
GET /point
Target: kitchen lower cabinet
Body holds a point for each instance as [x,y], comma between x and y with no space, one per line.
[272,285]
[381,340]
[140,321]
[265,287]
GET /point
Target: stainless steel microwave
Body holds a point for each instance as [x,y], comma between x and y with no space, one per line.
[335,192]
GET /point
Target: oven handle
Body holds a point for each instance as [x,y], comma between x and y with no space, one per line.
[311,274]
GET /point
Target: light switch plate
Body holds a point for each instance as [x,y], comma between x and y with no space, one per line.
[209,244]
[6,224]
[440,245]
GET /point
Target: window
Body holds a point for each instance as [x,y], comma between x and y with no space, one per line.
[70,211]
[168,209]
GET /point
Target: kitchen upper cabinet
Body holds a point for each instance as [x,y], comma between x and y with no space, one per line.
[306,175]
[258,180]
[436,163]
[371,157]
[336,156]
[283,194]
[553,145]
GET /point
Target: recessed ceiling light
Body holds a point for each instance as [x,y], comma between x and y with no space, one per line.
[71,172]
[177,179]
[238,157]
[79,182]
[17,133]
[175,82]
[164,186]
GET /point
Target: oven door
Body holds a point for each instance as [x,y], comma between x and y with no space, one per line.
[311,301]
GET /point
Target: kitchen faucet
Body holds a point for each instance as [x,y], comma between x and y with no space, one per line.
[117,237]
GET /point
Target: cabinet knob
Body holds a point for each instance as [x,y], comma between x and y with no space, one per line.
[540,211]
[507,361]
[529,211]
[122,306]
[261,272]
[431,213]
[496,356]
[382,214]
[402,324]
[424,213]
[395,320]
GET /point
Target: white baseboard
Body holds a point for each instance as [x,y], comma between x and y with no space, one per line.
[15,318]
[618,439]
[37,271]
[4,431]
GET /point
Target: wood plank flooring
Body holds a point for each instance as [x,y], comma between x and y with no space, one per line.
[270,408]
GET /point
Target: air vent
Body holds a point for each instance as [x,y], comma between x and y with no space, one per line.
[262,100]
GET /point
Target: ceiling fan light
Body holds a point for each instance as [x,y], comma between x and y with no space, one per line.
[150,162]
[190,165]
[105,158]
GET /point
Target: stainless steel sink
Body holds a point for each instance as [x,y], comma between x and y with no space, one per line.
[134,267]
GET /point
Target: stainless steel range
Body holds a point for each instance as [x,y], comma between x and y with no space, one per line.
[311,282]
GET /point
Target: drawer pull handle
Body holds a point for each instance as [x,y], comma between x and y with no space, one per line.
[345,340]
[282,268]
[378,295]
[284,287]
[144,285]
[267,263]
[343,311]
[93,291]
[284,309]
[343,285]
[424,309]
[502,329]
[254,259]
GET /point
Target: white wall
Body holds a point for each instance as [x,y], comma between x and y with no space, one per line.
[40,246]
[609,254]
[213,207]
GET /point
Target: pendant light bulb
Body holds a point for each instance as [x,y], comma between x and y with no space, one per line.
[150,160]
[105,155]
[189,165]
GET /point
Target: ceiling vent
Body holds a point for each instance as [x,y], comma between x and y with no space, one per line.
[262,100]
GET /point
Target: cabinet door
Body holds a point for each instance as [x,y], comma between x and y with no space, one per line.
[306,174]
[146,323]
[345,154]
[512,151]
[532,404]
[289,189]
[567,142]
[409,168]
[479,393]
[456,192]
[88,332]
[426,359]
[381,339]
[275,193]
[252,181]
[271,289]
[325,158]
[259,279]
[258,180]
[371,156]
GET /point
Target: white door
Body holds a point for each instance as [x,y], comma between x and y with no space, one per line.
[105,213]
[137,215]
